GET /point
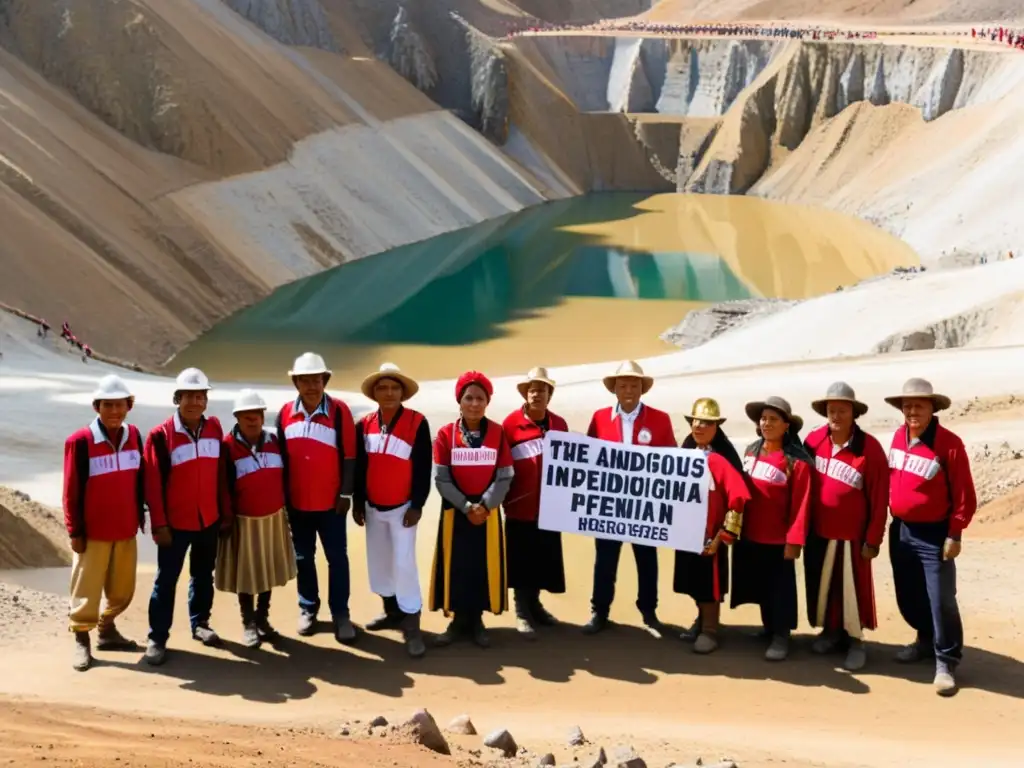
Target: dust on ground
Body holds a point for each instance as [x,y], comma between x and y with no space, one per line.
[31,535]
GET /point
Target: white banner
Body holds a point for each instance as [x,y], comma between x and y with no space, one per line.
[631,493]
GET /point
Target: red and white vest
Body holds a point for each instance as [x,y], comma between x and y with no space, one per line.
[255,473]
[389,458]
[651,427]
[183,476]
[317,447]
[526,443]
[472,468]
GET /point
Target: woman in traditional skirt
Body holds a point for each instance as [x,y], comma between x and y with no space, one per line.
[534,555]
[705,576]
[473,474]
[779,471]
[257,553]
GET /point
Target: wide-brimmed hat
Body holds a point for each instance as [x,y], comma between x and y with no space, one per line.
[390,371]
[705,409]
[629,369]
[777,404]
[919,388]
[842,392]
[540,373]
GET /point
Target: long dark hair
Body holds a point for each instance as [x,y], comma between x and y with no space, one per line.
[720,444]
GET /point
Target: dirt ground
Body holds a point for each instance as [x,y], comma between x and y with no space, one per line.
[30,535]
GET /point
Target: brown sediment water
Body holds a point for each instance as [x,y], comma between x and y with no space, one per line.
[584,280]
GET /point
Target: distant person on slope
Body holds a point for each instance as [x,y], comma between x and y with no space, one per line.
[318,447]
[932,498]
[257,555]
[630,422]
[394,466]
[779,472]
[705,576]
[849,507]
[184,477]
[535,560]
[103,511]
[473,474]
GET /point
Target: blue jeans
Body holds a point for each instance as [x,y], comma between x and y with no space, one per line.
[331,528]
[169,563]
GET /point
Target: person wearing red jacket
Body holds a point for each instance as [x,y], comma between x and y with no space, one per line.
[779,473]
[183,481]
[705,576]
[534,555]
[257,555]
[103,511]
[318,447]
[849,507]
[932,499]
[634,423]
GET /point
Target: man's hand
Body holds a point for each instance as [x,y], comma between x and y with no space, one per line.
[951,549]
[412,516]
[714,544]
[78,544]
[343,505]
[227,524]
[478,514]
[162,536]
[868,552]
[359,514]
[792,551]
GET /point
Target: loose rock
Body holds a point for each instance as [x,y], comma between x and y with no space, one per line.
[576,737]
[626,757]
[344,732]
[378,721]
[596,761]
[502,739]
[545,760]
[462,725]
[425,731]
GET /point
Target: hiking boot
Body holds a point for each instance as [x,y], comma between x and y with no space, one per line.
[653,624]
[480,637]
[206,636]
[344,630]
[307,624]
[156,653]
[705,643]
[450,635]
[266,629]
[944,683]
[251,636]
[524,616]
[109,639]
[856,656]
[391,618]
[691,634]
[414,644]
[597,623]
[825,642]
[82,658]
[915,652]
[779,648]
[541,614]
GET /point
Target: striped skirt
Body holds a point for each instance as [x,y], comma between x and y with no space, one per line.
[257,556]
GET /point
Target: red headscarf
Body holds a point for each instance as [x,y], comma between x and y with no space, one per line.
[473,377]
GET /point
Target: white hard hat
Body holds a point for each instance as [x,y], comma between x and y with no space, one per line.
[309,364]
[111,387]
[249,400]
[192,380]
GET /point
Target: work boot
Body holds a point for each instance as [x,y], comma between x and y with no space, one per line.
[653,624]
[597,623]
[250,635]
[856,656]
[263,625]
[344,630]
[480,636]
[524,616]
[156,653]
[705,643]
[944,683]
[779,648]
[450,635]
[109,639]
[541,614]
[205,635]
[414,644]
[392,617]
[690,635]
[825,642]
[919,650]
[307,624]
[82,658]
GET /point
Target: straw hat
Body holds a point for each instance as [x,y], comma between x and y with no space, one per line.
[390,371]
[777,404]
[842,392]
[629,369]
[540,374]
[705,409]
[919,388]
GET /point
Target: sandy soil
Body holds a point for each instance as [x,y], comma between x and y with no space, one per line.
[31,535]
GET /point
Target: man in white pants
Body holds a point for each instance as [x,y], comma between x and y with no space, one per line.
[392,482]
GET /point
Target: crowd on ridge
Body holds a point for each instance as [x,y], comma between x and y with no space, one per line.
[1011,37]
[769,31]
[247,505]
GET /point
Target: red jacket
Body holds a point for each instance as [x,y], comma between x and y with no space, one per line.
[472,468]
[254,475]
[849,489]
[651,427]
[727,490]
[780,498]
[319,454]
[103,491]
[183,477]
[526,441]
[931,481]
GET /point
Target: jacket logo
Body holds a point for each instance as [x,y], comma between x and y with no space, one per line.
[643,437]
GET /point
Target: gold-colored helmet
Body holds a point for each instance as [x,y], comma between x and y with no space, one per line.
[705,409]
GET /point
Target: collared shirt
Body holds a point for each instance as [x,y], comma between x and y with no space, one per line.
[627,420]
[837,448]
[320,409]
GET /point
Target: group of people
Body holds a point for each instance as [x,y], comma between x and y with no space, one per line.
[248,505]
[1011,37]
[766,31]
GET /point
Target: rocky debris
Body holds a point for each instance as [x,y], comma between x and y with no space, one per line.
[409,53]
[594,761]
[545,760]
[702,325]
[423,728]
[344,732]
[462,726]
[378,721]
[701,764]
[31,535]
[28,614]
[488,83]
[292,22]
[576,737]
[626,757]
[954,331]
[502,740]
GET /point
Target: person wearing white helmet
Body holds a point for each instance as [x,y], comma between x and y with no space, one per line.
[318,447]
[394,462]
[184,479]
[257,556]
[103,511]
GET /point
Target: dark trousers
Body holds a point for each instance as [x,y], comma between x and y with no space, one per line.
[606,567]
[926,586]
[253,607]
[201,548]
[330,527]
